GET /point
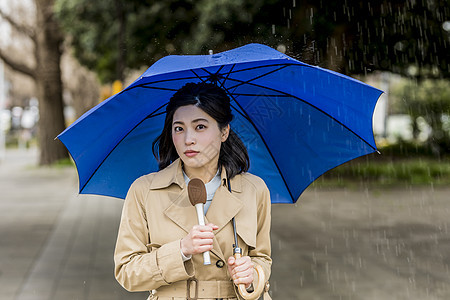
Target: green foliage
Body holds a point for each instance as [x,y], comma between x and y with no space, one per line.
[401,164]
[62,163]
[429,101]
[348,36]
[406,171]
[153,29]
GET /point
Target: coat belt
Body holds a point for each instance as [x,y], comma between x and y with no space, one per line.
[195,289]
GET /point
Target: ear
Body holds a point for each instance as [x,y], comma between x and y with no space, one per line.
[225,133]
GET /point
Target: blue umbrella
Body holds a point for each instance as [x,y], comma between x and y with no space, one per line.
[296,120]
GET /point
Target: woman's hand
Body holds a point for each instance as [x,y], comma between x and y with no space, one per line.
[241,270]
[198,240]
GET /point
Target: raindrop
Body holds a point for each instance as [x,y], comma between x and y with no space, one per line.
[446,26]
[281,48]
[273,28]
[293,3]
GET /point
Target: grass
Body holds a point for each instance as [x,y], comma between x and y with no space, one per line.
[412,170]
[62,163]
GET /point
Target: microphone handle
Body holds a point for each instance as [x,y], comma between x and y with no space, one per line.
[201,221]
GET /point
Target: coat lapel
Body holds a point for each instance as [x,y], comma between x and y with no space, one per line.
[181,212]
[224,207]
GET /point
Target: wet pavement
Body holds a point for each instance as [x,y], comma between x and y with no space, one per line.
[333,244]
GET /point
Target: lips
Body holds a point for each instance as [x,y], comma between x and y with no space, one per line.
[190,153]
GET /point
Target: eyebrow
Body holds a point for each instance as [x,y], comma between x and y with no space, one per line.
[193,121]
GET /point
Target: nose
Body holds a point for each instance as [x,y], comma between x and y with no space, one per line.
[189,137]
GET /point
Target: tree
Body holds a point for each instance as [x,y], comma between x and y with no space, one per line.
[47,74]
[349,36]
[358,37]
[429,100]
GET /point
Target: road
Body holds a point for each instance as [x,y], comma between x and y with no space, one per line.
[332,244]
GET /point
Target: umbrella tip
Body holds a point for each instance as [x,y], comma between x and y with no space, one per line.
[210,52]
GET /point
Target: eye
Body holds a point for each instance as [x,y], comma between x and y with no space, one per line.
[177,129]
[201,126]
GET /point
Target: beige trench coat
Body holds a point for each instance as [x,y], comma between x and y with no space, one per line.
[157,214]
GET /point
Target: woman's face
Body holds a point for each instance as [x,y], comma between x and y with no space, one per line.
[197,137]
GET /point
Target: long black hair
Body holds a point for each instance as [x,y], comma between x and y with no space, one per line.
[214,101]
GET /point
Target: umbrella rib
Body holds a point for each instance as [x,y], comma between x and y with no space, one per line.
[199,77]
[267,66]
[273,65]
[252,79]
[158,88]
[241,83]
[239,112]
[145,84]
[306,102]
[98,167]
[267,147]
[258,95]
[210,73]
[226,78]
[155,115]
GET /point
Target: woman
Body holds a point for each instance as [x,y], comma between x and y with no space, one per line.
[159,246]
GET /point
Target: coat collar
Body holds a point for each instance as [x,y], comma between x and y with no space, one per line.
[173,174]
[224,207]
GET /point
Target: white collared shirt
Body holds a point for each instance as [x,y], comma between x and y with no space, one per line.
[211,188]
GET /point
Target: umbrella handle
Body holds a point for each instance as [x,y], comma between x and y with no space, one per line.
[257,289]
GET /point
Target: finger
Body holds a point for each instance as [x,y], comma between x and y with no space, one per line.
[205,248]
[213,226]
[201,249]
[203,242]
[243,260]
[209,228]
[202,228]
[231,260]
[242,276]
[202,235]
[243,280]
[242,269]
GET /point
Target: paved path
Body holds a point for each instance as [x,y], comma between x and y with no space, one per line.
[341,244]
[54,244]
[372,245]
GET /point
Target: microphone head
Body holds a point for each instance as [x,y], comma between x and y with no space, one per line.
[196,191]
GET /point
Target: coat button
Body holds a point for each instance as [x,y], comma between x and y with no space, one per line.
[220,264]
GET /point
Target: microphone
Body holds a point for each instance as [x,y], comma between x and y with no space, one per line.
[197,197]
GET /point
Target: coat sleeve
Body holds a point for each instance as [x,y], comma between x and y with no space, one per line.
[261,253]
[142,268]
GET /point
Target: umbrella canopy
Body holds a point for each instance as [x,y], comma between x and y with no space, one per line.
[296,120]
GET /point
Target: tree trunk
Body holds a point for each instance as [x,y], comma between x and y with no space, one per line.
[51,107]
